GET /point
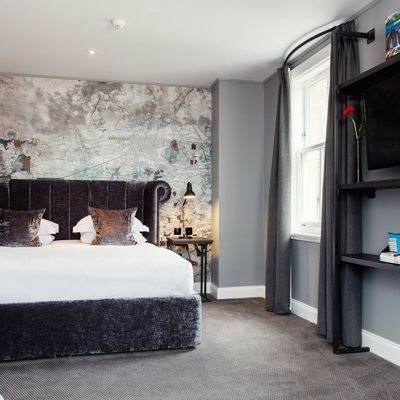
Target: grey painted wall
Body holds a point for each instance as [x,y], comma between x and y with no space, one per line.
[381,290]
[238,190]
[305,259]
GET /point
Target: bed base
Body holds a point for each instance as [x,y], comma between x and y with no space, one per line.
[70,328]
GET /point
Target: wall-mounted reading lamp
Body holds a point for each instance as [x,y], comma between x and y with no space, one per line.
[189,194]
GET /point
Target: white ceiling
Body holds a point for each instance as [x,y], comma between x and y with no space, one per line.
[183,42]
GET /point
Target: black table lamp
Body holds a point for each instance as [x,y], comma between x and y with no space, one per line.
[189,194]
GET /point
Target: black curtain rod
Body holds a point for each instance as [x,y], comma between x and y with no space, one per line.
[370,36]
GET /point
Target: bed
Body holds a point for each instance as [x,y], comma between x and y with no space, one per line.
[69,298]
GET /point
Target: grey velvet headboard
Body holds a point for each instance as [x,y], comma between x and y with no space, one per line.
[66,202]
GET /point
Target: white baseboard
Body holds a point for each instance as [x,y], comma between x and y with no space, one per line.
[304,310]
[237,292]
[214,290]
[378,345]
[381,347]
[196,288]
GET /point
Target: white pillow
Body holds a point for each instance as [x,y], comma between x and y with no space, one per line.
[139,238]
[86,225]
[137,226]
[87,237]
[48,227]
[46,239]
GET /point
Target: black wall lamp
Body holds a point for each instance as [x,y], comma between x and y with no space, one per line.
[189,194]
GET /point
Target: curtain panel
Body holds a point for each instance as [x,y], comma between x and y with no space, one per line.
[278,231]
[344,65]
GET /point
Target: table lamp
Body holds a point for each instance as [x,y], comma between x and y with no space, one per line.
[189,194]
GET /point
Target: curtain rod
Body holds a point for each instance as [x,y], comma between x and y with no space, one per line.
[370,36]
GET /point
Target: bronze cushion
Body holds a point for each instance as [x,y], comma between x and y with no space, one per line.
[113,226]
[20,228]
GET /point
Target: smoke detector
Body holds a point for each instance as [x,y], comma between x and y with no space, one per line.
[117,24]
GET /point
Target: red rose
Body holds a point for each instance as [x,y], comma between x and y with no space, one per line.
[348,111]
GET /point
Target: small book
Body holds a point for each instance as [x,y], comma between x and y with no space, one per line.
[392,33]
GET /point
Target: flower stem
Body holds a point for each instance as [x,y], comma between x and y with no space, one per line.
[356,131]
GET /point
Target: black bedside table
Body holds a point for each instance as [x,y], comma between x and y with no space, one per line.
[201,244]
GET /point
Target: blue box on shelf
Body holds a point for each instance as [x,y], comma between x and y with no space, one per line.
[394,242]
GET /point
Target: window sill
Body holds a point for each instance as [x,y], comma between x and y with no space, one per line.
[306,237]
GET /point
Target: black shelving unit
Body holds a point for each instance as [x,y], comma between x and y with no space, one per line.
[388,70]
[369,188]
[355,89]
[369,261]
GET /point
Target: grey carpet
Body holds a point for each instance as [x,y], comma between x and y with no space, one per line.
[247,353]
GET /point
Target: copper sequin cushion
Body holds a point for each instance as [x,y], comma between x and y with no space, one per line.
[113,226]
[20,228]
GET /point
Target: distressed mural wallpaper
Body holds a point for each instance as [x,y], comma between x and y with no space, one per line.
[72,129]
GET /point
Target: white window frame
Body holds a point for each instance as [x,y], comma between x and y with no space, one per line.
[305,73]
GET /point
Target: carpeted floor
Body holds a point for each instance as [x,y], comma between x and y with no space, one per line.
[247,353]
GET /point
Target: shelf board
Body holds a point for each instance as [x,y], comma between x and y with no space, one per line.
[383,72]
[369,261]
[369,186]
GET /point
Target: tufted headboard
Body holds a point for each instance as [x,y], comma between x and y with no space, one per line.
[66,202]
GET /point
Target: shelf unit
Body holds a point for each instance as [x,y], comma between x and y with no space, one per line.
[388,70]
[369,261]
[355,89]
[369,188]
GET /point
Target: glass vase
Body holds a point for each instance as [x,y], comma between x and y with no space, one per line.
[358,154]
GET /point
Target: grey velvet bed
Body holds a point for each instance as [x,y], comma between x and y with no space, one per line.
[54,329]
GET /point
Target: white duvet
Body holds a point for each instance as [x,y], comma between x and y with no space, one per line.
[71,270]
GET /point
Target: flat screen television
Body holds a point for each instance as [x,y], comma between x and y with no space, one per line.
[382,129]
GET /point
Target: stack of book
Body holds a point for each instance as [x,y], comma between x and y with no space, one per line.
[390,257]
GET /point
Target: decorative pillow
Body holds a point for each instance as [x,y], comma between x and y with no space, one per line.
[20,228]
[86,225]
[46,239]
[48,227]
[113,226]
[87,237]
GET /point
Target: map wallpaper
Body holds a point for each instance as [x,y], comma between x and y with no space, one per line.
[56,128]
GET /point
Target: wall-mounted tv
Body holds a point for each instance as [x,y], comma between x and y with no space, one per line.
[382,116]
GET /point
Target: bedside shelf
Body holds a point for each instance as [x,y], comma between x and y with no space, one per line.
[369,187]
[355,90]
[383,72]
[369,261]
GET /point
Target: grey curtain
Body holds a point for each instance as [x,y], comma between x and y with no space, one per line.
[344,65]
[278,231]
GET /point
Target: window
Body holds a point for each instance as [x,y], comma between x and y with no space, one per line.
[309,96]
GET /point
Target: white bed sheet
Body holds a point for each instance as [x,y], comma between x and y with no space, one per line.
[71,270]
